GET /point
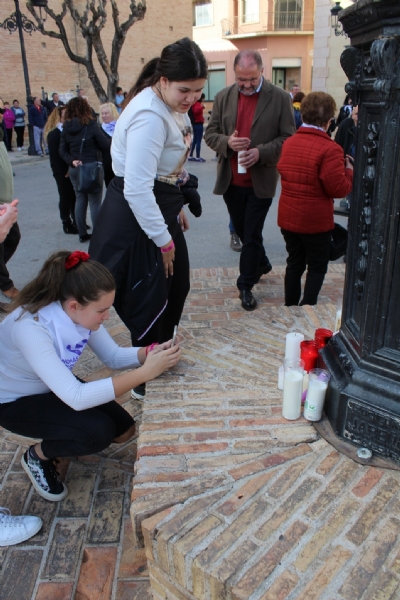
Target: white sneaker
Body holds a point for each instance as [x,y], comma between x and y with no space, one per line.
[19,149]
[139,392]
[14,530]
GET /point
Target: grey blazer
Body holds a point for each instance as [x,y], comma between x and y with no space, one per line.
[273,123]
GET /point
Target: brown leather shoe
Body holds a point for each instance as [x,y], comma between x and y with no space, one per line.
[11,293]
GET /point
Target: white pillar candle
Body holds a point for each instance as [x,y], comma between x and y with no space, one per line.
[293,340]
[281,371]
[338,320]
[292,390]
[315,400]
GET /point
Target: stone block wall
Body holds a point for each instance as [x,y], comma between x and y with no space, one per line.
[50,67]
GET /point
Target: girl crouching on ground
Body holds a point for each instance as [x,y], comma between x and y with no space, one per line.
[52,320]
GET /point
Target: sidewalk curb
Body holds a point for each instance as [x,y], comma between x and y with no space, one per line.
[25,160]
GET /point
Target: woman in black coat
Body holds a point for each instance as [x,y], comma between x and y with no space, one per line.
[82,141]
[66,192]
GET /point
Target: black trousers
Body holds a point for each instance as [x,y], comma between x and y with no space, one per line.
[178,289]
[7,249]
[65,431]
[20,130]
[305,250]
[248,213]
[67,196]
[9,138]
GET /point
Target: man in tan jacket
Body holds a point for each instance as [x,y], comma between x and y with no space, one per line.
[252,117]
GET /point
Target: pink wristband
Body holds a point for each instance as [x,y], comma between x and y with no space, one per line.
[151,347]
[168,248]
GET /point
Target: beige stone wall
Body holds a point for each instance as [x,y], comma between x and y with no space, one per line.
[328,75]
[50,67]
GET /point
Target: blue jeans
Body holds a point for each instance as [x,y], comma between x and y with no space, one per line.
[197,137]
[82,201]
[38,136]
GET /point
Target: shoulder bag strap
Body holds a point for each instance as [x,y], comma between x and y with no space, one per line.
[83,141]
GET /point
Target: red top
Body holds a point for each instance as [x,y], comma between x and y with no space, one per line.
[313,172]
[245,116]
[197,109]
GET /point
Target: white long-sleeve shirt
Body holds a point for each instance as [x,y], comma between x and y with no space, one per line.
[29,364]
[148,141]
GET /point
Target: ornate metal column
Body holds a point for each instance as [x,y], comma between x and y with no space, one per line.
[364,357]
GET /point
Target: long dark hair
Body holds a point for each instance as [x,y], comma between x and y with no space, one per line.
[85,282]
[79,108]
[181,61]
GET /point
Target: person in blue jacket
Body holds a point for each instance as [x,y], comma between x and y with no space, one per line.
[37,115]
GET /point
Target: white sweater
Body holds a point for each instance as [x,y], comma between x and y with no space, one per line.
[30,365]
[149,140]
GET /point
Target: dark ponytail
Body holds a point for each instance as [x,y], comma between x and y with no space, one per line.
[146,78]
[85,282]
[180,61]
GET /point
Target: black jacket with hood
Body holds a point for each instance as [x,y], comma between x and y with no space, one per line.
[71,140]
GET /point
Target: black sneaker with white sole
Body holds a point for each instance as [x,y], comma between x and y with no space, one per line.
[44,477]
[139,392]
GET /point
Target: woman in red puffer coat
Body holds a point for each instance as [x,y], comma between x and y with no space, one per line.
[313,173]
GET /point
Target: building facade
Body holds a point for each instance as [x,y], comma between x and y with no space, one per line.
[282,31]
[51,69]
[328,75]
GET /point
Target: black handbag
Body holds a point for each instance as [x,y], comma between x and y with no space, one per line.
[90,175]
[338,245]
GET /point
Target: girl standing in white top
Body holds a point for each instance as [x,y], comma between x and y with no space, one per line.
[52,320]
[139,234]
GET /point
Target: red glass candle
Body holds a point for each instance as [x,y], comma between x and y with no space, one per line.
[309,353]
[322,337]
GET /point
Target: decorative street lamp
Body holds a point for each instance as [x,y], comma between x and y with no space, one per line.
[18,21]
[336,26]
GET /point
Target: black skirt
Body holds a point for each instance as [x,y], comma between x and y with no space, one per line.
[119,243]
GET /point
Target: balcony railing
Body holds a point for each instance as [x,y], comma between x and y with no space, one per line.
[267,22]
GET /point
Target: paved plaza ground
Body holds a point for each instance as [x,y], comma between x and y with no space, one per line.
[218,497]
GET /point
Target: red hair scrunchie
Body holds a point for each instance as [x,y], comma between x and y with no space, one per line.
[75,258]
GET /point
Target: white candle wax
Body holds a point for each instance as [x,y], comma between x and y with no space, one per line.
[338,320]
[315,400]
[305,381]
[280,377]
[292,390]
[293,340]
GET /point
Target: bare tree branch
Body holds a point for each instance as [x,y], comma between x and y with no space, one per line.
[91,21]
[62,35]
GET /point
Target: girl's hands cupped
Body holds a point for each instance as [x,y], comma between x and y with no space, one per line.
[161,359]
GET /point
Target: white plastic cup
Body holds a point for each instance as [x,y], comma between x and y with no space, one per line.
[241,169]
[292,388]
[317,385]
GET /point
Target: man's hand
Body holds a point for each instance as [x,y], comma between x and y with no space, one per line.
[249,158]
[237,143]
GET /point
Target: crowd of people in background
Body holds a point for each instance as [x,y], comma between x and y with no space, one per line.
[138,144]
